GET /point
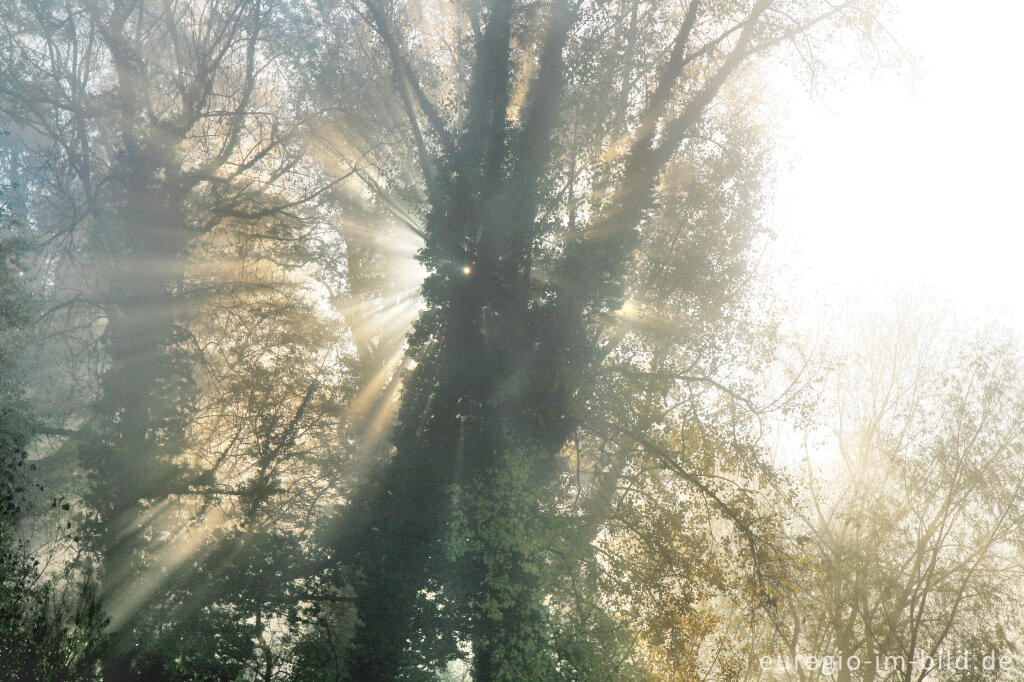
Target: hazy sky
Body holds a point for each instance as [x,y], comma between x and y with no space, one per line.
[900,181]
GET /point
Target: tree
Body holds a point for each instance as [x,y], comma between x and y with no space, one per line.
[532,212]
[50,628]
[912,544]
[143,128]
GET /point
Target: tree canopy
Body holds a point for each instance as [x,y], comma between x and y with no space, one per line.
[374,340]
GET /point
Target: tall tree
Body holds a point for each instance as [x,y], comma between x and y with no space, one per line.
[533,213]
[143,127]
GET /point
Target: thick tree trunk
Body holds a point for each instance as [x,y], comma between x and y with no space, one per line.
[144,402]
[502,368]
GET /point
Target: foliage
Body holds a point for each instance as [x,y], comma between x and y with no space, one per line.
[50,628]
[412,341]
[917,532]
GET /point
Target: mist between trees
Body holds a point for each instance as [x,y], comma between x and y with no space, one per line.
[370,340]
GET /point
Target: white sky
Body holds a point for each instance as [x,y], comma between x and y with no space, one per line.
[902,182]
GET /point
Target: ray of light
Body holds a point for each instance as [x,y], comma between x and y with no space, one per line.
[188,542]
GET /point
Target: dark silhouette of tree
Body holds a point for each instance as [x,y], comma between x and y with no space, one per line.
[534,214]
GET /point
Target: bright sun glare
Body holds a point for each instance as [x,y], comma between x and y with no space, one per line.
[911,181]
